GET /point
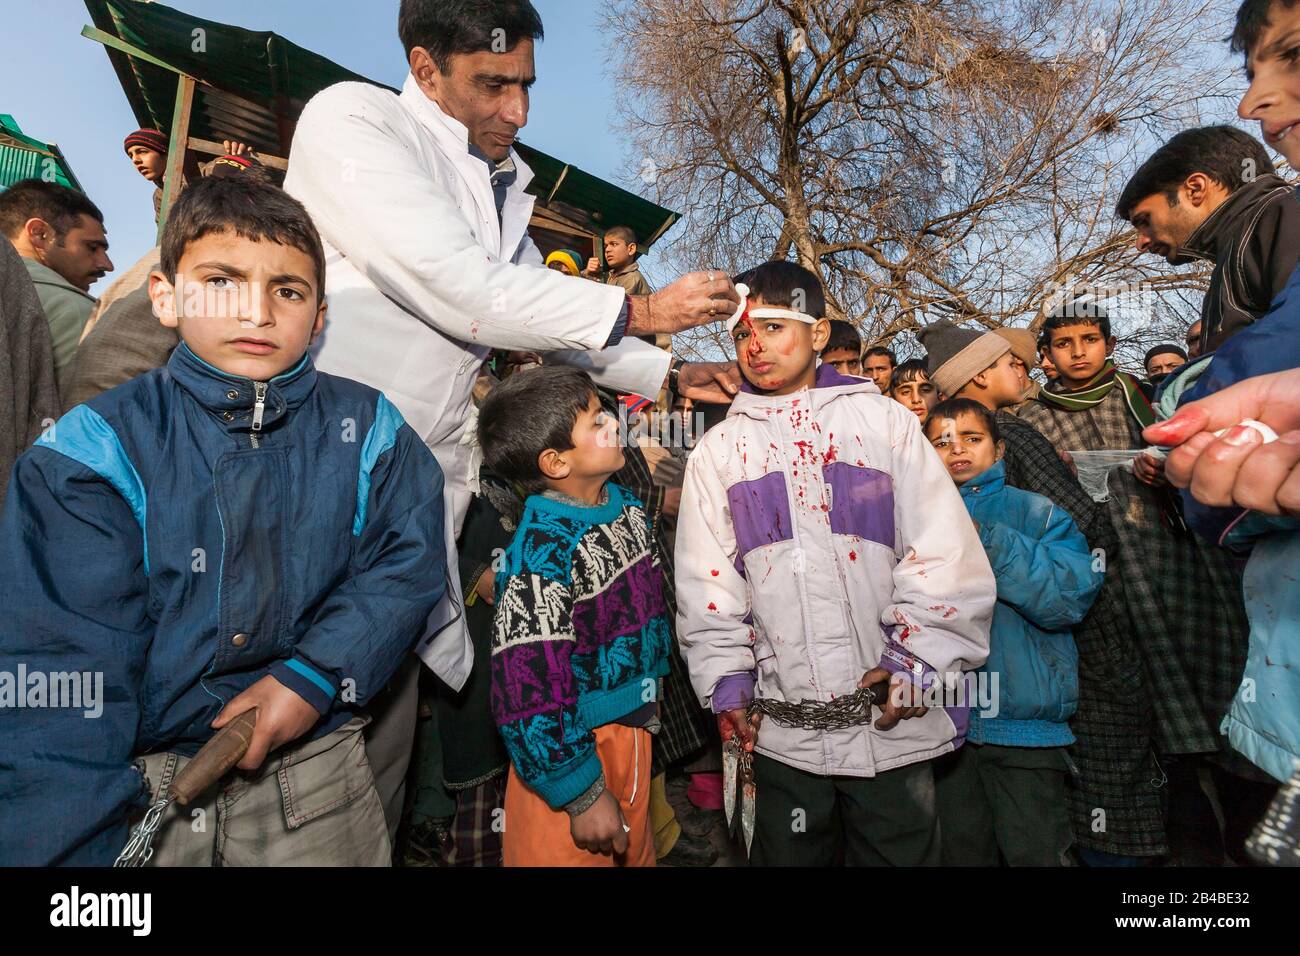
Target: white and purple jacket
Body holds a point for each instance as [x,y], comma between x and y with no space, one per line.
[820,536]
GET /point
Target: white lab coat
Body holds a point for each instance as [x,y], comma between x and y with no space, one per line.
[422,281]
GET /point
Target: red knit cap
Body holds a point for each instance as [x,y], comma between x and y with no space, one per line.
[150,138]
[239,162]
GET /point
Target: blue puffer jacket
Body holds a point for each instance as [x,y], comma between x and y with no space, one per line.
[154,537]
[1263,722]
[1046,584]
[1271,344]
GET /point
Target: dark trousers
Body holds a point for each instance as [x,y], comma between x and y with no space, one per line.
[1212,810]
[1003,800]
[802,819]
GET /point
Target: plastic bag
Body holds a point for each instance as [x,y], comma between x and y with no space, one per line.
[1094,468]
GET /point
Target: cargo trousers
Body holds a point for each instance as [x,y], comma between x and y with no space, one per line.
[309,804]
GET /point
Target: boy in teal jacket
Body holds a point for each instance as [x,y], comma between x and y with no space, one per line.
[1004,793]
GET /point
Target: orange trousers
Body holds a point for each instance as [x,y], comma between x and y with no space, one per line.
[536,835]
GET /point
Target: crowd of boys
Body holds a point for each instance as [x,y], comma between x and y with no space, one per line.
[1062,669]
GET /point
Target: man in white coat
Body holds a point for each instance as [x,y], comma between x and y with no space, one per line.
[420,200]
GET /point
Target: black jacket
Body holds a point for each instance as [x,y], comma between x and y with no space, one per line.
[1253,239]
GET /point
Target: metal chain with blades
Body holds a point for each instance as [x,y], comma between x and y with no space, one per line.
[850,710]
[847,711]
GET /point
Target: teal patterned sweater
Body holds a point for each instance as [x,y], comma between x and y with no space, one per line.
[580,635]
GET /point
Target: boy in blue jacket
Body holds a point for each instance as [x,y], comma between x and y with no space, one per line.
[1005,790]
[233,530]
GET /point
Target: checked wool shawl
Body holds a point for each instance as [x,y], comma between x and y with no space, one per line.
[1116,766]
[685,726]
[1183,595]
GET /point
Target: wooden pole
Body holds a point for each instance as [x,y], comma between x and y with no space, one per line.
[213,148]
[180,137]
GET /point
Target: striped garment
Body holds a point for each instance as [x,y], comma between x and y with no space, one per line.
[580,635]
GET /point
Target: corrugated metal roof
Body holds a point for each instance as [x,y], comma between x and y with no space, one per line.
[253,85]
[607,205]
[22,157]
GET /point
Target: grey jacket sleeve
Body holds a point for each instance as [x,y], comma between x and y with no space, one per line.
[127,341]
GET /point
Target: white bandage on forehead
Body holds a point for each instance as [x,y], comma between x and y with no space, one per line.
[762,312]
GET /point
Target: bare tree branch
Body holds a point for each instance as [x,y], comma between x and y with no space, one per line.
[927,158]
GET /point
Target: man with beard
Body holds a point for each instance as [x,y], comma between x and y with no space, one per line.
[1210,193]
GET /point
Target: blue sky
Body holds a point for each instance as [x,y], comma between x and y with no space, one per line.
[60,88]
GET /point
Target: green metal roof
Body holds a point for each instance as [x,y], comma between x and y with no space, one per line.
[22,157]
[606,204]
[253,85]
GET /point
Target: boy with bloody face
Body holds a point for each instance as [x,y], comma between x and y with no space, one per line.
[821,548]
